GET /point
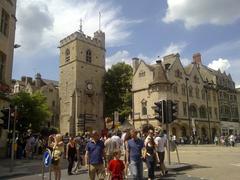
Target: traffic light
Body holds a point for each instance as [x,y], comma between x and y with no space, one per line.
[172,111]
[160,111]
[4,117]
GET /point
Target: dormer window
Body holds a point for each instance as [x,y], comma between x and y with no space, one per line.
[196,79]
[89,56]
[178,73]
[67,55]
[141,73]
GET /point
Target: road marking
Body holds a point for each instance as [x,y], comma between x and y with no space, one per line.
[237,164]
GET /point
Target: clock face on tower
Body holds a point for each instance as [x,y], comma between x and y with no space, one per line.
[89,86]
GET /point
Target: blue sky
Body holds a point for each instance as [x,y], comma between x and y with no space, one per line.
[136,28]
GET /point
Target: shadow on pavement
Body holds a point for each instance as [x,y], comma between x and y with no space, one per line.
[196,166]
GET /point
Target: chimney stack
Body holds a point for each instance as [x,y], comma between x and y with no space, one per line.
[197,58]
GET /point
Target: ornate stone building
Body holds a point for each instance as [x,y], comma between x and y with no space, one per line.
[196,95]
[49,88]
[7,37]
[226,95]
[82,67]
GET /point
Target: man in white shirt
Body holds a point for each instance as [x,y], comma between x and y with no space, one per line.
[161,143]
[118,140]
[110,147]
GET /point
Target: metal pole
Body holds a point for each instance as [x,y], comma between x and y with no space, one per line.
[133,112]
[13,140]
[9,118]
[84,123]
[189,121]
[210,139]
[165,108]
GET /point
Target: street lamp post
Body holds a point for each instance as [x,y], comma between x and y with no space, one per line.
[209,126]
[13,139]
[189,121]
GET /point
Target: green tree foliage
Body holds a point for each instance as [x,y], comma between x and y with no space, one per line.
[32,111]
[117,88]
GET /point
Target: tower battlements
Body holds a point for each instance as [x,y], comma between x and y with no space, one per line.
[97,40]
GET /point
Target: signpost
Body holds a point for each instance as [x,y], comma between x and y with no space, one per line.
[46,163]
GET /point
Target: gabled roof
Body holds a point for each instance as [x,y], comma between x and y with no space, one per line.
[159,75]
[188,69]
[47,81]
[170,59]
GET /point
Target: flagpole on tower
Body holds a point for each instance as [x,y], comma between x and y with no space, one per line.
[99,21]
[80,30]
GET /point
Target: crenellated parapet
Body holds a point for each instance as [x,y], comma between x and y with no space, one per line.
[98,41]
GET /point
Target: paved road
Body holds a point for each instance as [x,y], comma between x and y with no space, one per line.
[209,162]
[83,176]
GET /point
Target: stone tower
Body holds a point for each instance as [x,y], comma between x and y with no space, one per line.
[82,67]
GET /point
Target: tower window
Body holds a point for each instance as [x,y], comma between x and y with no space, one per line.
[67,55]
[144,108]
[2,62]
[89,56]
[4,26]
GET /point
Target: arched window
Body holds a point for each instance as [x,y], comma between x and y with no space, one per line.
[183,89]
[190,91]
[203,94]
[202,112]
[175,88]
[141,73]
[197,92]
[193,110]
[144,107]
[89,56]
[67,55]
[184,131]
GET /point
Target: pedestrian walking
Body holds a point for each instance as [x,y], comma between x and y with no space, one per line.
[149,137]
[161,143]
[126,155]
[134,152]
[77,159]
[118,140]
[116,167]
[110,147]
[71,153]
[65,142]
[151,157]
[56,144]
[94,157]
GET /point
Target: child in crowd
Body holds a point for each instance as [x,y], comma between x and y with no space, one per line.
[116,167]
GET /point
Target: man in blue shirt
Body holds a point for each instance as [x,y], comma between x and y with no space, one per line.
[94,157]
[134,152]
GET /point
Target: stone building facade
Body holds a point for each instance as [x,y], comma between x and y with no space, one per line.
[7,37]
[49,88]
[196,95]
[82,67]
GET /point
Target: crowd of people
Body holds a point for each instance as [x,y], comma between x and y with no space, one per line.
[114,156]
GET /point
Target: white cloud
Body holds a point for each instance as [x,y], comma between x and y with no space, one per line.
[173,48]
[119,56]
[222,64]
[197,12]
[42,24]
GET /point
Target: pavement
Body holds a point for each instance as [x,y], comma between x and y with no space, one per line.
[32,169]
[197,162]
